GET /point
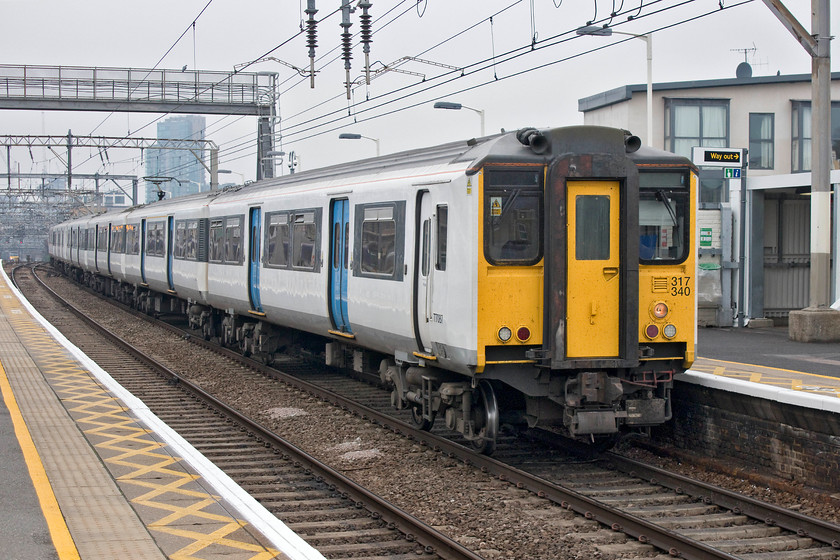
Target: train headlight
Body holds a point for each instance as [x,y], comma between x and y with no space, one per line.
[660,310]
[505,334]
[523,334]
[651,331]
[669,330]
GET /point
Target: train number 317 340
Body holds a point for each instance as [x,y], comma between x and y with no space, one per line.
[679,286]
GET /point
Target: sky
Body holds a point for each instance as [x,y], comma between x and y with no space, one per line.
[541,86]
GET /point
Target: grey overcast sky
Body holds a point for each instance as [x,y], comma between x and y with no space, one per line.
[696,40]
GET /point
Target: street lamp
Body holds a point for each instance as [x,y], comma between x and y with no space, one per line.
[648,39]
[354,136]
[274,156]
[458,107]
[228,171]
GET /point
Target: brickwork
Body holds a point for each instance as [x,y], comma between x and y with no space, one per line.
[790,442]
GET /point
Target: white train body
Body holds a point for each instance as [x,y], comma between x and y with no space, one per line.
[430,267]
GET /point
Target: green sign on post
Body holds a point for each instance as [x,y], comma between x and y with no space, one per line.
[705,237]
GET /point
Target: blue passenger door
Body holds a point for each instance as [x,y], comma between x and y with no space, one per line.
[254,260]
[110,229]
[170,251]
[98,232]
[143,250]
[339,260]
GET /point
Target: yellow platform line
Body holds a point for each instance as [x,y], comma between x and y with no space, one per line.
[747,373]
[742,364]
[60,534]
[98,413]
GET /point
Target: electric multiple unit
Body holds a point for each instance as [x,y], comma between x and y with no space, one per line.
[536,278]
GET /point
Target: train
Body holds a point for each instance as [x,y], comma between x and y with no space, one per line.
[532,278]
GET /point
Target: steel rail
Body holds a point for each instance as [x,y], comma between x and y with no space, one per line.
[415,530]
[644,531]
[771,514]
[665,539]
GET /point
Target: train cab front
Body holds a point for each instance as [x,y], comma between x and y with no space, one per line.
[617,292]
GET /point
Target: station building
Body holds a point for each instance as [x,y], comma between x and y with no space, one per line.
[771,117]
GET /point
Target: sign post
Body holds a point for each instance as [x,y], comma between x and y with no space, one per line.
[734,162]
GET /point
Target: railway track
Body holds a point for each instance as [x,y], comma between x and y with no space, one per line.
[681,517]
[331,512]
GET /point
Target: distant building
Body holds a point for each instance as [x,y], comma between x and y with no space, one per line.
[771,117]
[187,172]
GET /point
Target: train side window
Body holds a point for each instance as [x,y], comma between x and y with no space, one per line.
[132,239]
[442,224]
[102,238]
[304,241]
[592,227]
[379,243]
[427,246]
[217,240]
[180,239]
[336,244]
[233,240]
[191,241]
[278,240]
[378,233]
[155,239]
[346,245]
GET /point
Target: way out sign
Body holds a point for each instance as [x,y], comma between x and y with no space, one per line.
[717,157]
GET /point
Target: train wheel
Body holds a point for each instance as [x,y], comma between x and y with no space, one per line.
[418,420]
[486,418]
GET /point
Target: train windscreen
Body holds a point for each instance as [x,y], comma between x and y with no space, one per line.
[664,217]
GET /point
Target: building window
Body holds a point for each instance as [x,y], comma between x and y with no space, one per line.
[762,138]
[800,156]
[696,122]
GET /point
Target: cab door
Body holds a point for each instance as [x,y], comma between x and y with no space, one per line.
[423,267]
[593,276]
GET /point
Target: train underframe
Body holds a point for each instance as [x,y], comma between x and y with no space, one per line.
[591,405]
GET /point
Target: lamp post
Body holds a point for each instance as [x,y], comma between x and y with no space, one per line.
[648,39]
[228,171]
[354,136]
[458,107]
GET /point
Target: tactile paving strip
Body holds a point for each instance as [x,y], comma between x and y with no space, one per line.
[776,377]
[186,520]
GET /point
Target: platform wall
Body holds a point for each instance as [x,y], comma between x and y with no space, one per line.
[754,434]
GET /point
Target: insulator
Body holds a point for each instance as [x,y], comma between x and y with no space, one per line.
[367,35]
[346,46]
[311,27]
[311,38]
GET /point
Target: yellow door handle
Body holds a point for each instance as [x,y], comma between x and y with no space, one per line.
[610,272]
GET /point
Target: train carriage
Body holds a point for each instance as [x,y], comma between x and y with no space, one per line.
[537,278]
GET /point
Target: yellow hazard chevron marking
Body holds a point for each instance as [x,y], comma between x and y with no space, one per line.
[131,451]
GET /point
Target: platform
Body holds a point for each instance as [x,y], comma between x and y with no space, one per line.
[90,473]
[765,363]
